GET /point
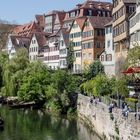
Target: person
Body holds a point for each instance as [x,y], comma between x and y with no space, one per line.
[135,116]
[138,115]
[123,105]
[110,108]
[126,114]
[91,100]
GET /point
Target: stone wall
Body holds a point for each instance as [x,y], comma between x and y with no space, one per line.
[109,126]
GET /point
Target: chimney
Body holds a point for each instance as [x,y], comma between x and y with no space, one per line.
[91,5]
[100,5]
[108,7]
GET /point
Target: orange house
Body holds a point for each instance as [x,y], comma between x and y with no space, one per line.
[93,39]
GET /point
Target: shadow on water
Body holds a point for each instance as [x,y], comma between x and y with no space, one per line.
[35,125]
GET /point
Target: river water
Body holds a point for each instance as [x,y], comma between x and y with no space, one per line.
[35,125]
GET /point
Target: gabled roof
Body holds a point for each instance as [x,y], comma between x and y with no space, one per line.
[41,39]
[81,21]
[99,22]
[65,34]
[18,41]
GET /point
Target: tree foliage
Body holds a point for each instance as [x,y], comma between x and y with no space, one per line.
[94,69]
[70,56]
[98,86]
[36,82]
[133,58]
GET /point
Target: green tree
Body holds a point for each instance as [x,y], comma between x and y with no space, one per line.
[14,71]
[35,80]
[133,57]
[98,86]
[94,69]
[120,87]
[70,56]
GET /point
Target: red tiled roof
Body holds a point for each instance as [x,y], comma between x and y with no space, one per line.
[26,29]
[99,22]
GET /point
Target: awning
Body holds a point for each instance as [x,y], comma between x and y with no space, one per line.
[131,70]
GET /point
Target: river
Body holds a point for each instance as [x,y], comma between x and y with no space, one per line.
[35,125]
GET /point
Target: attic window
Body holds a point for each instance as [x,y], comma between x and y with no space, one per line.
[24,28]
[29,26]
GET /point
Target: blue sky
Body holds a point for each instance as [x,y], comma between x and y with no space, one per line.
[23,11]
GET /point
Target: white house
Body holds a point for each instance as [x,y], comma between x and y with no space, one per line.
[75,36]
[38,41]
[51,53]
[134,29]
[107,57]
[16,42]
[63,45]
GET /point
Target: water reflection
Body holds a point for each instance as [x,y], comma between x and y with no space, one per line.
[34,125]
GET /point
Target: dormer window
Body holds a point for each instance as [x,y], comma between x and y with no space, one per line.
[90,12]
[72,14]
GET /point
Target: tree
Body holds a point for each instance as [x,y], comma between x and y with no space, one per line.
[70,56]
[94,69]
[35,80]
[98,86]
[133,58]
[3,60]
[14,71]
[5,29]
[120,87]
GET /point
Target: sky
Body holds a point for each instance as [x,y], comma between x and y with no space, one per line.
[24,11]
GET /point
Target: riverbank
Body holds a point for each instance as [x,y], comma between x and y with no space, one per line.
[109,126]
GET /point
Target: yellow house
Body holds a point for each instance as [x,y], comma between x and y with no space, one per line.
[75,36]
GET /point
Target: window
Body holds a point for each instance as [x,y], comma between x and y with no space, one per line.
[87,45]
[86,23]
[108,43]
[98,44]
[33,41]
[78,54]
[102,57]
[108,57]
[72,14]
[90,12]
[90,55]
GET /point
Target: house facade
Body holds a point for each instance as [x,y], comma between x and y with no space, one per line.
[51,52]
[87,44]
[107,57]
[134,29]
[33,49]
[93,39]
[16,42]
[63,48]
[121,11]
[75,38]
[36,47]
